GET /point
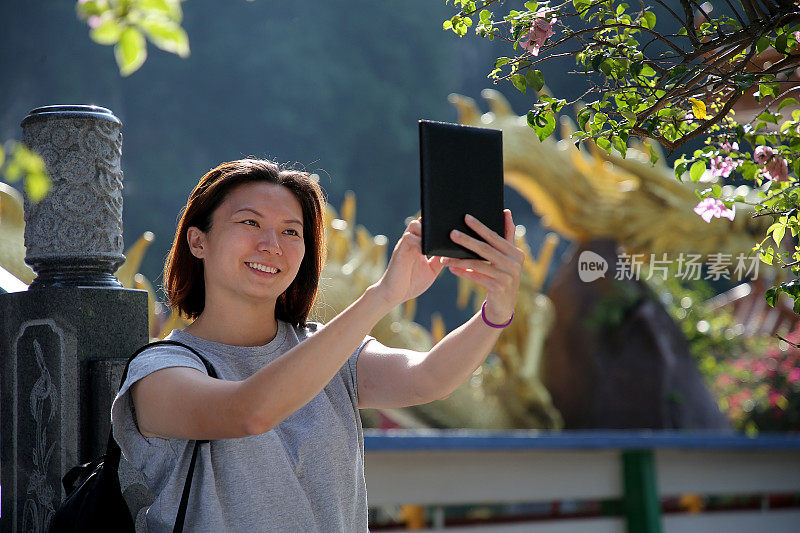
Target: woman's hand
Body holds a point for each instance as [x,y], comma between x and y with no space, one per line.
[409,272]
[500,276]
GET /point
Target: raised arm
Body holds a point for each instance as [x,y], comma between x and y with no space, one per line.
[185,403]
[389,377]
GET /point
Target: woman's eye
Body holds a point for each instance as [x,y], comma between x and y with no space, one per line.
[292,232]
[250,222]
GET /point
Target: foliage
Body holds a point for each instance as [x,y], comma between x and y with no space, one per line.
[756,382]
[671,86]
[26,165]
[762,392]
[127,24]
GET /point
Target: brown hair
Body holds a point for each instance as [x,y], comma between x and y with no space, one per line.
[184,284]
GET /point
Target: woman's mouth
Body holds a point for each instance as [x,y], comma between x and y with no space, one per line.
[263,268]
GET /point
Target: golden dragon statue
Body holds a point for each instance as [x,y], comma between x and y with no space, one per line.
[590,194]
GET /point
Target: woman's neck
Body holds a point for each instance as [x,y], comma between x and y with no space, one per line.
[252,326]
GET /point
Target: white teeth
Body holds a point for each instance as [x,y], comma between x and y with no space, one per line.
[263,268]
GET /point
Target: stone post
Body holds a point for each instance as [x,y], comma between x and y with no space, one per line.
[64,341]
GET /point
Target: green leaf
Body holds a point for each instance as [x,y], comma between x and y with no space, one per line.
[166,35]
[485,15]
[787,101]
[619,145]
[762,44]
[108,32]
[648,71]
[680,168]
[545,125]
[767,89]
[581,6]
[535,79]
[600,118]
[519,82]
[91,7]
[172,8]
[777,234]
[780,43]
[583,118]
[154,5]
[697,170]
[36,186]
[649,20]
[767,117]
[2,156]
[630,116]
[447,24]
[604,143]
[749,170]
[531,6]
[131,51]
[653,155]
[767,255]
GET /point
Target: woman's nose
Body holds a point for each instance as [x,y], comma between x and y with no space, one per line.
[269,242]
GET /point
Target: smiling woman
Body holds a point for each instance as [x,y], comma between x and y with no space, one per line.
[236,185]
[285,450]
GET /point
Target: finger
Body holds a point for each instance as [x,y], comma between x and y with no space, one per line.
[475,277]
[487,269]
[490,236]
[412,240]
[415,227]
[510,228]
[483,249]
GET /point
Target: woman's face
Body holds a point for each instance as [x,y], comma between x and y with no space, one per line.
[255,245]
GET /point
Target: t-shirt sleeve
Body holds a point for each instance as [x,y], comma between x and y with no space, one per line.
[135,446]
[352,375]
[348,370]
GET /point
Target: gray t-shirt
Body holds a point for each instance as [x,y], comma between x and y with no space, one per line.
[305,475]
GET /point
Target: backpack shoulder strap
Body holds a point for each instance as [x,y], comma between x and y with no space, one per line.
[112,448]
[209,368]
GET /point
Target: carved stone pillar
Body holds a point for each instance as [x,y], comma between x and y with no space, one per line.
[64,341]
[74,235]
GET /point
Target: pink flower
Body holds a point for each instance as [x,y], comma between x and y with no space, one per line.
[775,168]
[540,31]
[775,398]
[725,380]
[727,147]
[713,208]
[722,168]
[794,375]
[94,21]
[762,154]
[759,367]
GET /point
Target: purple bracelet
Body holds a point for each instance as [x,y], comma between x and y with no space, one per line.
[498,326]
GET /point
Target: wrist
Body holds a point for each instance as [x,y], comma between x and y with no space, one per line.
[376,298]
[495,319]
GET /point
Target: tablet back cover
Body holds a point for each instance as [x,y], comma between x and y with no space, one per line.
[461,170]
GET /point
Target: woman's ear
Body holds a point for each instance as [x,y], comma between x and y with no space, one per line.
[196,240]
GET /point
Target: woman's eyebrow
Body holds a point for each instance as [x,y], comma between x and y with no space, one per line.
[248,209]
[286,221]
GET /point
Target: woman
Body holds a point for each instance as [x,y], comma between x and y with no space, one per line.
[286,450]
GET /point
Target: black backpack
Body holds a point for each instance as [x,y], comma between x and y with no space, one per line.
[94,501]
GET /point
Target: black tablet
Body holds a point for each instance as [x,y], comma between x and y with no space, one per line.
[461,171]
